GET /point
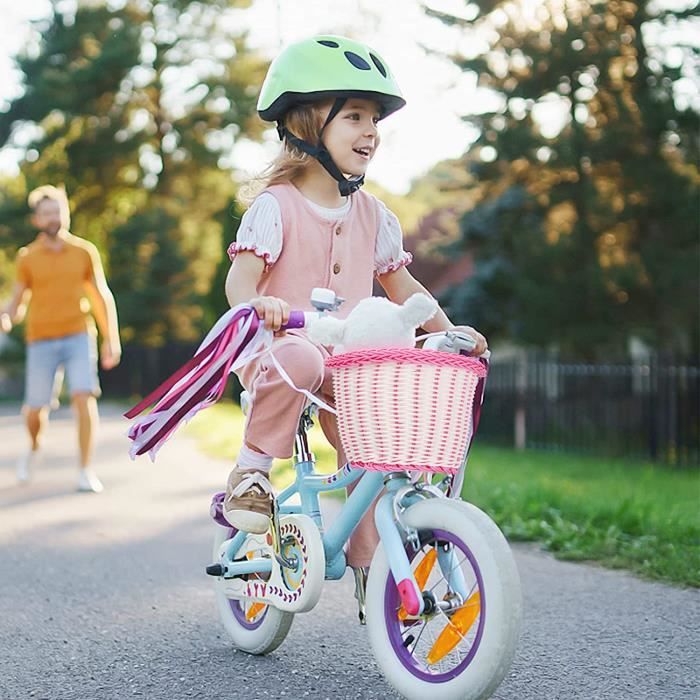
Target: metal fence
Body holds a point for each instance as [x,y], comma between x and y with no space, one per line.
[142,369]
[649,410]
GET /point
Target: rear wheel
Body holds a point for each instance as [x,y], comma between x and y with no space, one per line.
[463,652]
[254,627]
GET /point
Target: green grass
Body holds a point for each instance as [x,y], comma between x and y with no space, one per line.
[219,431]
[622,514]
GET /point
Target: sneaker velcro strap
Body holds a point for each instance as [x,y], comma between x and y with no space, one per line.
[250,481]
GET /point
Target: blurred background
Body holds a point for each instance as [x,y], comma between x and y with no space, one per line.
[545,171]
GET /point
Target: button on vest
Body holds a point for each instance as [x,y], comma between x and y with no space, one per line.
[315,255]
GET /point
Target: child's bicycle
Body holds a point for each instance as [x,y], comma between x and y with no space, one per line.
[442,599]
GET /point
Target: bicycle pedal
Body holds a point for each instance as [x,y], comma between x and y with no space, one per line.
[215,570]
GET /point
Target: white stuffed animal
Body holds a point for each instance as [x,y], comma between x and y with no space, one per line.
[375,323]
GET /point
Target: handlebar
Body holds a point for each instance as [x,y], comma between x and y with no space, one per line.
[299,319]
[456,342]
[324,300]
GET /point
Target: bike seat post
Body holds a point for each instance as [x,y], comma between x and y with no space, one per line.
[302,452]
[305,465]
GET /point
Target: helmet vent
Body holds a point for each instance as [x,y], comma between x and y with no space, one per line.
[330,44]
[378,63]
[357,61]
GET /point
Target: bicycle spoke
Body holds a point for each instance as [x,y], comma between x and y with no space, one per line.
[412,628]
[431,640]
[449,573]
[454,655]
[420,634]
[464,619]
[452,625]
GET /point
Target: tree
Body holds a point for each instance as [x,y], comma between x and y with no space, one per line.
[135,109]
[585,231]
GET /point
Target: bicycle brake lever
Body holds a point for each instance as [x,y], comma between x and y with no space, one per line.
[460,341]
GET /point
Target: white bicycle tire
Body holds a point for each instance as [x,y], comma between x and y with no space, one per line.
[503,607]
[261,639]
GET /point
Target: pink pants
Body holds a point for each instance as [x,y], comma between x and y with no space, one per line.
[272,422]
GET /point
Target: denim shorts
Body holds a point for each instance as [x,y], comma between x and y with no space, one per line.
[48,360]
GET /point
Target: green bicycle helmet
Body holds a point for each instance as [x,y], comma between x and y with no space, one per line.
[326,67]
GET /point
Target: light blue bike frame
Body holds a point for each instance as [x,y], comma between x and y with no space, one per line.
[308,485]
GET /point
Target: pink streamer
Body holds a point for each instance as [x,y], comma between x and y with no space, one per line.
[198,384]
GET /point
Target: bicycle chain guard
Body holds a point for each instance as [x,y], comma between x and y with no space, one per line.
[295,588]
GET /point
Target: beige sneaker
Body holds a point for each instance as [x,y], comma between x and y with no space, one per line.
[248,501]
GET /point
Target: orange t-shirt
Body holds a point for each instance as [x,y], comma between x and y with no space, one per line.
[57,278]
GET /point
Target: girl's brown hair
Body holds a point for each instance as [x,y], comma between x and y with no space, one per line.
[305,122]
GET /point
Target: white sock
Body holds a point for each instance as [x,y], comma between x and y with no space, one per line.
[250,460]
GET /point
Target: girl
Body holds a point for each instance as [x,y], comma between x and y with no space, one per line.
[312,226]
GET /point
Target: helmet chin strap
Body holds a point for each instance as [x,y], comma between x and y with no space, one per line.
[320,153]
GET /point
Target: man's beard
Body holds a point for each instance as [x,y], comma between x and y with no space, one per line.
[52,230]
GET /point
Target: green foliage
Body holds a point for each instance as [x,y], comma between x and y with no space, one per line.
[135,108]
[219,433]
[145,260]
[585,237]
[622,513]
[216,303]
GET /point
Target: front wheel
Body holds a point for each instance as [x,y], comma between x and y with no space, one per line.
[463,651]
[254,627]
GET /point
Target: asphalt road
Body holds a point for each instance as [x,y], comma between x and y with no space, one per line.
[105,597]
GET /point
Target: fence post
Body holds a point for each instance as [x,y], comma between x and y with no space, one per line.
[520,423]
[654,405]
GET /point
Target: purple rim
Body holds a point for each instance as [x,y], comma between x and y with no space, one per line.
[238,611]
[392,603]
[239,614]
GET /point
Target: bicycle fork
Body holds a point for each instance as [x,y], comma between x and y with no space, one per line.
[414,600]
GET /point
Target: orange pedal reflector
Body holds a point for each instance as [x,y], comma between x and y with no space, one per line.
[421,574]
[456,628]
[253,610]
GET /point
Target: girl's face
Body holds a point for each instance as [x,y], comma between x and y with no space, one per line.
[352,138]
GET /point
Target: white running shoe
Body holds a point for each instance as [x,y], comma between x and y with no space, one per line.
[88,481]
[26,464]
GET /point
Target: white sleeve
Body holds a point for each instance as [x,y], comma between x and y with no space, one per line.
[389,254]
[260,230]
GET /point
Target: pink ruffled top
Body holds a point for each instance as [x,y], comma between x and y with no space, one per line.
[261,231]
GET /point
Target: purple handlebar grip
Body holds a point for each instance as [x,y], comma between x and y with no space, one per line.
[297,319]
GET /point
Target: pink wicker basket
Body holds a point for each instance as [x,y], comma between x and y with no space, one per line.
[405,409]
